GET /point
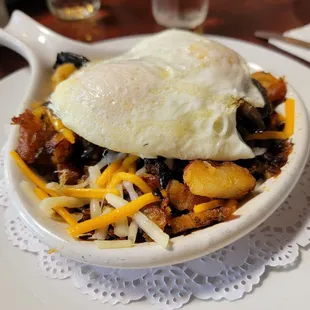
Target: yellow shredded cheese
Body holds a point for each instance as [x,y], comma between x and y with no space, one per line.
[60,127]
[39,112]
[98,193]
[62,73]
[107,174]
[63,212]
[208,205]
[266,135]
[36,104]
[30,174]
[126,164]
[133,168]
[123,176]
[289,125]
[112,217]
[41,194]
[280,117]
[290,117]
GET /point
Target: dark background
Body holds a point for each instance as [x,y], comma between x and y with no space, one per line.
[233,18]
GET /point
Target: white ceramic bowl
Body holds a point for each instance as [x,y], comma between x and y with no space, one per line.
[40,46]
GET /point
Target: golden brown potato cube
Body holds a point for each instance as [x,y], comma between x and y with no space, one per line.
[194,220]
[276,88]
[181,197]
[218,180]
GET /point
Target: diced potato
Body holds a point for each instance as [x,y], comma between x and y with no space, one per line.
[151,180]
[181,197]
[62,73]
[60,148]
[194,220]
[218,180]
[276,88]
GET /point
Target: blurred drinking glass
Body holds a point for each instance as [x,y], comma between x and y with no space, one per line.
[73,9]
[187,14]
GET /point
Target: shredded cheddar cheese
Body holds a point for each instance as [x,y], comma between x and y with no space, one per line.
[266,135]
[60,127]
[112,217]
[128,161]
[41,194]
[30,174]
[91,193]
[107,174]
[208,205]
[62,73]
[36,104]
[39,112]
[133,168]
[63,212]
[290,117]
[289,125]
[123,176]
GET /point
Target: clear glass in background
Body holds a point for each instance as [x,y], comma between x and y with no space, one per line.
[73,9]
[187,14]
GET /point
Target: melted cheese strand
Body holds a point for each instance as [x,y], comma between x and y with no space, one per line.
[149,227]
[51,204]
[41,194]
[141,171]
[107,174]
[130,190]
[133,168]
[112,217]
[94,173]
[63,212]
[133,231]
[58,187]
[121,226]
[101,233]
[290,117]
[90,193]
[95,204]
[208,205]
[266,135]
[128,161]
[60,127]
[123,176]
[29,192]
[30,174]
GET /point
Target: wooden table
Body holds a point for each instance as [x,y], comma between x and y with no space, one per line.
[233,18]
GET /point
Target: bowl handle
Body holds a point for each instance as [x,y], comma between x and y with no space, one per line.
[10,37]
[18,46]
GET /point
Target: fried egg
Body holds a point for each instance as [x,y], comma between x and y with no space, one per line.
[175,94]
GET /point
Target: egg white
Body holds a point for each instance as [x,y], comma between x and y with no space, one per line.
[173,95]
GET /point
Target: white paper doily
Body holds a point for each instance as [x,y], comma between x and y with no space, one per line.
[228,273]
